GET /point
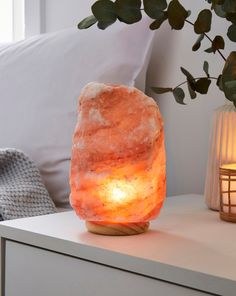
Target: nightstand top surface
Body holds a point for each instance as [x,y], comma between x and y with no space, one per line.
[187,244]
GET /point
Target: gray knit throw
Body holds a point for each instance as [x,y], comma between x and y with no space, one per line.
[22,192]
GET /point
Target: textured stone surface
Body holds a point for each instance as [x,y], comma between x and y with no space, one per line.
[118,156]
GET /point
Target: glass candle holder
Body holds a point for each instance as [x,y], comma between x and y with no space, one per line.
[228,192]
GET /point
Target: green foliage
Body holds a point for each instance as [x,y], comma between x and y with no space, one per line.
[232,33]
[206,69]
[202,85]
[229,77]
[176,15]
[128,11]
[195,85]
[159,21]
[191,89]
[104,12]
[107,12]
[203,22]
[179,95]
[198,43]
[217,43]
[161,90]
[154,9]
[87,22]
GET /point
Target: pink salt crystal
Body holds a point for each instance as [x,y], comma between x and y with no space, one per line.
[118,156]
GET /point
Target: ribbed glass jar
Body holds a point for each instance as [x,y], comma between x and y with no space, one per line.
[222,150]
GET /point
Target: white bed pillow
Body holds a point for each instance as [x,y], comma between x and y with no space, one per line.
[41,79]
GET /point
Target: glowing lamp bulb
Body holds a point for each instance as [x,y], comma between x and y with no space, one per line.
[120,191]
[118,195]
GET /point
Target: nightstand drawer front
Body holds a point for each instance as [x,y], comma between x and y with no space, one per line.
[33,271]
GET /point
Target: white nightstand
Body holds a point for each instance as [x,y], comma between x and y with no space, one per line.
[188,251]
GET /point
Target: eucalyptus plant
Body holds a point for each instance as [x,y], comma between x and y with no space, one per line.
[107,12]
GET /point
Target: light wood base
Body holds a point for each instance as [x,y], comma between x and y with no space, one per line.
[117,229]
[228,217]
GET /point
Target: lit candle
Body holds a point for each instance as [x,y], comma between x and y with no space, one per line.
[229,187]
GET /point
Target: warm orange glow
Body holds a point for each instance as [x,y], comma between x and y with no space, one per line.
[122,191]
[226,191]
[118,195]
[229,166]
[119,191]
[118,157]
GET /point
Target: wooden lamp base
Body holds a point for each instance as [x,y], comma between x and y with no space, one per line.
[117,229]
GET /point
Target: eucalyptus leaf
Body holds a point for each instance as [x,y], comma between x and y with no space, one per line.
[197,44]
[177,15]
[104,24]
[158,22]
[202,85]
[219,82]
[209,50]
[87,22]
[231,17]
[128,11]
[104,12]
[161,90]
[218,43]
[231,88]
[229,74]
[232,33]
[154,8]
[216,2]
[206,68]
[203,22]
[187,74]
[219,11]
[229,6]
[156,15]
[179,95]
[191,90]
[219,2]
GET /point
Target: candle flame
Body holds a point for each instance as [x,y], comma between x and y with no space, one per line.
[229,166]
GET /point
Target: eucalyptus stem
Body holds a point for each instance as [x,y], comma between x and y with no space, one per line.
[223,57]
[182,83]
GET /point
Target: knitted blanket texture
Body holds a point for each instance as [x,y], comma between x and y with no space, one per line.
[22,192]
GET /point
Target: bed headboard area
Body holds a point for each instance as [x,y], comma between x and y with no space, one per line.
[42,78]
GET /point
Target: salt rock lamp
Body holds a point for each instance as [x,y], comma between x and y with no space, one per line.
[117,176]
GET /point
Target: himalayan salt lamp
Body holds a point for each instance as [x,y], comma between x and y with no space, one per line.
[117,176]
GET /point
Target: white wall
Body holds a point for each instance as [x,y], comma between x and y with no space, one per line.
[65,13]
[187,127]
